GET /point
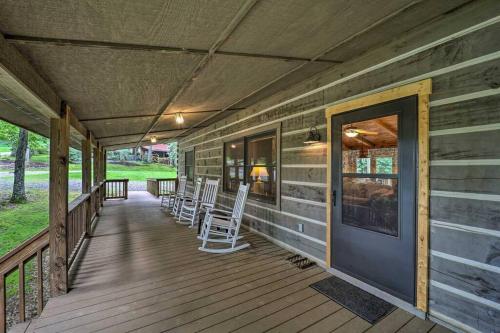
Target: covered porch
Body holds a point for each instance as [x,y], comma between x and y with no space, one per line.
[142,271]
[363,131]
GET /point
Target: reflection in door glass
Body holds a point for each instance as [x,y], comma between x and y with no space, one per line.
[370,174]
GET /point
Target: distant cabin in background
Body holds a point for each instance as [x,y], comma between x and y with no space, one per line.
[159,153]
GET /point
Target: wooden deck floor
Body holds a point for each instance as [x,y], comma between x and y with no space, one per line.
[142,272]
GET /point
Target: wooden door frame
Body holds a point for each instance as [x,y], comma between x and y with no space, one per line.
[422,89]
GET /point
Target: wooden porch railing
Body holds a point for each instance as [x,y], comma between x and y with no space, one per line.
[116,189]
[78,226]
[160,186]
[16,260]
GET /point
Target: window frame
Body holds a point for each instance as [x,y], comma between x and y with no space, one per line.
[192,166]
[245,136]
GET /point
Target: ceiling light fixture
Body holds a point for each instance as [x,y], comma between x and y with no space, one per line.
[153,139]
[313,136]
[179,119]
[351,132]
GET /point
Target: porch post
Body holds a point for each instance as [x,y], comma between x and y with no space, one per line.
[87,178]
[104,163]
[101,174]
[58,201]
[96,177]
[96,165]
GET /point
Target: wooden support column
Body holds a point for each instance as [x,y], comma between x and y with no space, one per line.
[104,163]
[58,202]
[96,165]
[101,175]
[87,178]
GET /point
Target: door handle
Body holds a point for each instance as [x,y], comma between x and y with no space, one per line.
[334,198]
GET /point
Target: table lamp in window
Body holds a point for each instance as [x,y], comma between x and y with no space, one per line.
[259,171]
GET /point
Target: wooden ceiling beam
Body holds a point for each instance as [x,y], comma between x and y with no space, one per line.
[77,125]
[150,133]
[149,115]
[364,141]
[388,128]
[20,39]
[23,82]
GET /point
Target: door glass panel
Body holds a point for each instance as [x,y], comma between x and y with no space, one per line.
[370,175]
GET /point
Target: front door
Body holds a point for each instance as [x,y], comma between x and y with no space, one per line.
[374,159]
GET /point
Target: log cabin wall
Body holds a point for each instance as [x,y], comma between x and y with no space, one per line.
[461,53]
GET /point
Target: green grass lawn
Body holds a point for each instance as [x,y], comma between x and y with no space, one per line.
[140,171]
[21,221]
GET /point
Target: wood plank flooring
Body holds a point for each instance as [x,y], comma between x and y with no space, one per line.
[143,272]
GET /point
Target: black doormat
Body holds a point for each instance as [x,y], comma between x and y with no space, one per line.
[362,303]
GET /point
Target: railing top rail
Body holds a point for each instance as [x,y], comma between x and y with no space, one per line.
[160,179]
[28,248]
[117,180]
[78,201]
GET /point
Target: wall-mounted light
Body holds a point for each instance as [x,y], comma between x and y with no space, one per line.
[153,139]
[313,136]
[179,119]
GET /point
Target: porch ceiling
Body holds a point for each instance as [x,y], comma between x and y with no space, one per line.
[135,59]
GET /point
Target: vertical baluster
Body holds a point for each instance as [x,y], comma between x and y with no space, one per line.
[73,215]
[3,305]
[22,316]
[77,229]
[70,240]
[39,282]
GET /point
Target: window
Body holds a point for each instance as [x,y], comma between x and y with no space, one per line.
[253,160]
[234,165]
[384,165]
[363,165]
[189,165]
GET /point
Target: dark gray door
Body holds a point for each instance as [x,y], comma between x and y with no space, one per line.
[374,160]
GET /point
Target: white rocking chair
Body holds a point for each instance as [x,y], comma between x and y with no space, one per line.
[168,197]
[190,209]
[189,202]
[181,190]
[221,226]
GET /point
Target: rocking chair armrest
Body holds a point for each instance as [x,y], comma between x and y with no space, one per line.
[222,217]
[225,212]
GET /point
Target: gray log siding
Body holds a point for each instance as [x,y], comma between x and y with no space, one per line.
[480,111]
[464,151]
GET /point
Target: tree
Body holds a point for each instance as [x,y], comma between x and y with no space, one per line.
[18,191]
[10,134]
[172,153]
